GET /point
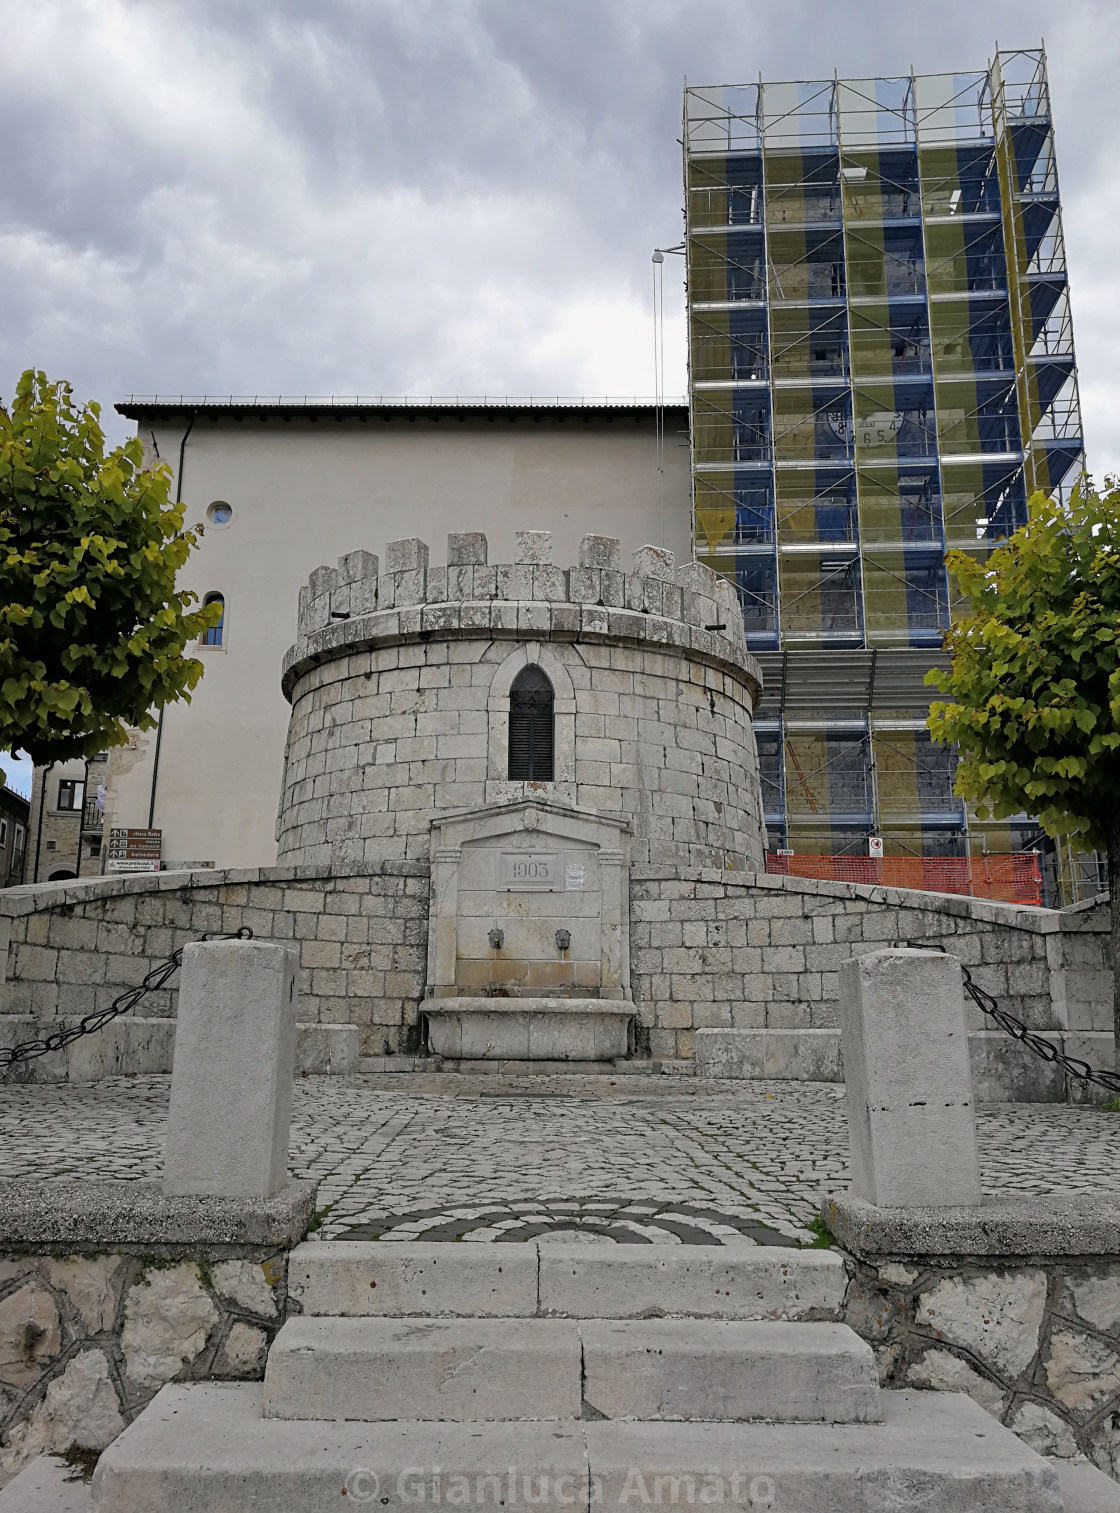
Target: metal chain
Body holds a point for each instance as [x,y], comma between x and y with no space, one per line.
[1007,1022]
[156,978]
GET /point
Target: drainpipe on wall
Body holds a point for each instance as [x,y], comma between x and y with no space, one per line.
[155,771]
[159,724]
[39,825]
[82,820]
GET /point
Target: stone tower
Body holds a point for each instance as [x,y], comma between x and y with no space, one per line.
[400,684]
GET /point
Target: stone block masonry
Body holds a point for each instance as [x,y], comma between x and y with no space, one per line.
[400,691]
[760,956]
[710,950]
[362,943]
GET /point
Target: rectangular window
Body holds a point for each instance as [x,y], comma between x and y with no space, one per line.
[3,832]
[70,792]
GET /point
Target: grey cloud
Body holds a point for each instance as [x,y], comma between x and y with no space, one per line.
[386,196]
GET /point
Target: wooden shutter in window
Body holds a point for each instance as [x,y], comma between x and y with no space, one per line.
[530,727]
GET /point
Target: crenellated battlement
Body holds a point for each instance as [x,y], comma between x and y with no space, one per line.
[529,594]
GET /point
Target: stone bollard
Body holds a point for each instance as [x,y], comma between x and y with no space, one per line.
[231,1085]
[911,1119]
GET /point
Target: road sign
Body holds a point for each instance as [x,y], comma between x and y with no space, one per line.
[134,850]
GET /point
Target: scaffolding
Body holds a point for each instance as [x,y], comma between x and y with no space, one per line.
[882,368]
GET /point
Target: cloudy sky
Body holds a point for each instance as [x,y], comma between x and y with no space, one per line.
[437,196]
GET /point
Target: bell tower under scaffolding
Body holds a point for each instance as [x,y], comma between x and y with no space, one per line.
[881,369]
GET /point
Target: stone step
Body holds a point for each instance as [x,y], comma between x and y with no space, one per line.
[511,1067]
[436,1369]
[1085,1489]
[454,1369]
[132,1046]
[727,1371]
[47,1485]
[394,1065]
[563,1280]
[206,1448]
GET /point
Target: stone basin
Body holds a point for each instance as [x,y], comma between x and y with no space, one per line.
[530,1029]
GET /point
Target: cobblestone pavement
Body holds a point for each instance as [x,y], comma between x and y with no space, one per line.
[485,1158]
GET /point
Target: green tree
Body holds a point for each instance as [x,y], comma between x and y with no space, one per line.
[1035,678]
[93,632]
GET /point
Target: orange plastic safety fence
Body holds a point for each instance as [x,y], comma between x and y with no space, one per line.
[1014,877]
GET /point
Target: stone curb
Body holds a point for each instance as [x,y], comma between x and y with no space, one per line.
[131,1217]
[31,897]
[1008,1228]
[993,911]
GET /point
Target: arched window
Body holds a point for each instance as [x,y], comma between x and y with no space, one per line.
[530,726]
[213,636]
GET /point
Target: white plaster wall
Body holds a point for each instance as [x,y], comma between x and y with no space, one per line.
[304,493]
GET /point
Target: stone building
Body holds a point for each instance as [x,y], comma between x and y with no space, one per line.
[14,810]
[522,734]
[66,820]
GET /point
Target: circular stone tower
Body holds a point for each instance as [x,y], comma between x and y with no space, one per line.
[426,690]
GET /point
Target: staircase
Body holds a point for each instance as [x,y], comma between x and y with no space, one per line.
[560,1375]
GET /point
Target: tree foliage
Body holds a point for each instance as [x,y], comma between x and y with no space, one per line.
[1035,679]
[93,631]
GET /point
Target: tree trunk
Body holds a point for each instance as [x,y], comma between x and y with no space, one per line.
[1114,918]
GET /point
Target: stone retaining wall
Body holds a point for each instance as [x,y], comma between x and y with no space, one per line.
[88,1334]
[1016,1302]
[93,1323]
[711,951]
[714,951]
[87,1341]
[74,947]
[1037,1345]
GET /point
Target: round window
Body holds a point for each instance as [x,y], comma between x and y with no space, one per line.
[220,513]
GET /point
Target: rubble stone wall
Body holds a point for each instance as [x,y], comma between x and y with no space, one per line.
[86,1341]
[1037,1344]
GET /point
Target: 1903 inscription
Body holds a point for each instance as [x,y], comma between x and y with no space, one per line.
[531,871]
